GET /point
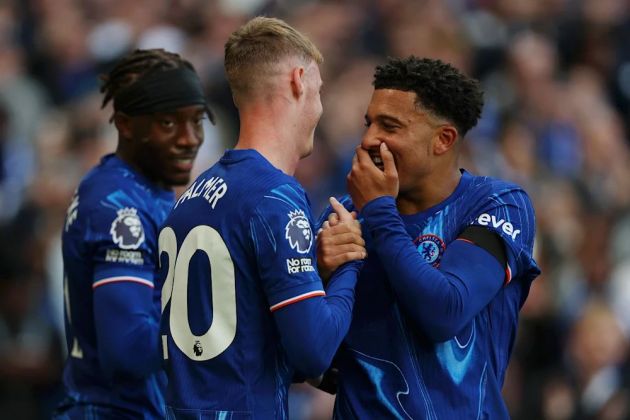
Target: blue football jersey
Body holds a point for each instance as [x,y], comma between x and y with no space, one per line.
[110,238]
[237,246]
[388,368]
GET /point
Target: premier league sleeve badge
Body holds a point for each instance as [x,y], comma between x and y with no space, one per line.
[126,230]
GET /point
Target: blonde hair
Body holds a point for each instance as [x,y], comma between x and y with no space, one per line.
[253,51]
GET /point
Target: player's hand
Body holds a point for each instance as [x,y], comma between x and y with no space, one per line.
[367,182]
[339,240]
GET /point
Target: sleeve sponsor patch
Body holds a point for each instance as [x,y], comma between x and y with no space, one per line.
[299,265]
[124,256]
[127,231]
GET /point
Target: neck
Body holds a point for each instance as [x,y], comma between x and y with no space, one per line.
[262,130]
[430,192]
[127,156]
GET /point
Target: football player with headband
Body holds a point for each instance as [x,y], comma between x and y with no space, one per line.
[112,303]
[244,309]
[449,256]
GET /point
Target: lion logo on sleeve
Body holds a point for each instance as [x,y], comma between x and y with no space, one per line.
[126,230]
[298,232]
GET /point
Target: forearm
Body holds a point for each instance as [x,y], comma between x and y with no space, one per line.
[439,301]
[311,330]
[127,333]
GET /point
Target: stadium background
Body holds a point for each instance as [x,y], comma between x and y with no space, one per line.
[556,75]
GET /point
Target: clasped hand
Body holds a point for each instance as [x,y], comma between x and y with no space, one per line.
[339,240]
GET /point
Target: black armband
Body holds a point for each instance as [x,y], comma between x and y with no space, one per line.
[486,239]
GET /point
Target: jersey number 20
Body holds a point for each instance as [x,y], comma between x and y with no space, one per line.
[222,330]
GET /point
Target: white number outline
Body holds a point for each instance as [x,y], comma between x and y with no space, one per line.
[76,351]
[222,330]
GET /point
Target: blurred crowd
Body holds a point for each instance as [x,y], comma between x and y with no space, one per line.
[556,76]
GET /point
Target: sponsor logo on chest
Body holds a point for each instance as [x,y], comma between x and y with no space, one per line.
[491,220]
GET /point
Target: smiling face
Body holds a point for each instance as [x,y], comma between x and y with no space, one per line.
[393,117]
[163,146]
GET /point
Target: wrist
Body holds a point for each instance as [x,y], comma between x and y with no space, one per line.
[377,203]
[379,211]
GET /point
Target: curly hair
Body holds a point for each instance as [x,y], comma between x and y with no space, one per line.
[440,88]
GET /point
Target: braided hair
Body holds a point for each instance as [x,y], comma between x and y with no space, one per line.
[135,66]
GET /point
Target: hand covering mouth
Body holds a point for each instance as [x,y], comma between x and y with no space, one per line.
[375,155]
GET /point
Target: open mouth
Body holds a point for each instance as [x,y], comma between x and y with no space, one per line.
[184,163]
[375,155]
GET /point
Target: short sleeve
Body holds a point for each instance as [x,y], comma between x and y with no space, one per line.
[281,229]
[121,238]
[510,214]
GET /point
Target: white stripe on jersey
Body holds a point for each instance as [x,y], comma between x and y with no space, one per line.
[297,299]
[122,278]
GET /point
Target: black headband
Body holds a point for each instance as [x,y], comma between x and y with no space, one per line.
[162,91]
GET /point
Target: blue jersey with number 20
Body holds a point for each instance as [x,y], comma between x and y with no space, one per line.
[237,252]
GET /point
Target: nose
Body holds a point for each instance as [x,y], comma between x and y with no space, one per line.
[370,138]
[190,135]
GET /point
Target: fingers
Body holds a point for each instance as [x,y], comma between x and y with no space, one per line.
[330,254]
[362,156]
[325,226]
[343,214]
[334,250]
[333,219]
[388,160]
[330,238]
[344,249]
[340,243]
[352,226]
[339,259]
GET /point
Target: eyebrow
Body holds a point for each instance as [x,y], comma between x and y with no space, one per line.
[385,118]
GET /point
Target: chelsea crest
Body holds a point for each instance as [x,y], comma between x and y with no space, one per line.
[431,247]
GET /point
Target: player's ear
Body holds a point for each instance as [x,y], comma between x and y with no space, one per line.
[123,125]
[297,81]
[445,139]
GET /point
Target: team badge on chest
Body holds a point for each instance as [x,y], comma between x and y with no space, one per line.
[431,247]
[126,230]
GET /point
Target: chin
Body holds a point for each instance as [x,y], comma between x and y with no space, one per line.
[179,181]
[306,153]
[308,149]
